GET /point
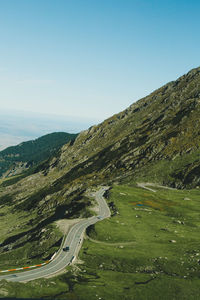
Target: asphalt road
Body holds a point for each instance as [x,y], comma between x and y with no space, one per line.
[73,240]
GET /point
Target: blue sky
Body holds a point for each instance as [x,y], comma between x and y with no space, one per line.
[92,58]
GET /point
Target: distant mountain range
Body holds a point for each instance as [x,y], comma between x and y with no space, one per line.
[17,159]
[17,127]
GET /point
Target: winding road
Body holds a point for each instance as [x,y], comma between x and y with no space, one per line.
[73,240]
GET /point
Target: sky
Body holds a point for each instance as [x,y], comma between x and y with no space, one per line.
[91,58]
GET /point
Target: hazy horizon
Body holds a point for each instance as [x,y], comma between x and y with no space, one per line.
[21,126]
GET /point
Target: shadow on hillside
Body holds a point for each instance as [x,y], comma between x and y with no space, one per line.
[4,298]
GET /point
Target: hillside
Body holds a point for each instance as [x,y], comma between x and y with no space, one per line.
[16,159]
[156,139]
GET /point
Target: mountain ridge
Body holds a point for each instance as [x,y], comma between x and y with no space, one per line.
[17,159]
[160,125]
[156,139]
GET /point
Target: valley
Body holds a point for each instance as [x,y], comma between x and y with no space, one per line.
[151,244]
[99,150]
[149,247]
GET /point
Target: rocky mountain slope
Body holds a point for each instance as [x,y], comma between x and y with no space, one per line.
[16,159]
[156,139]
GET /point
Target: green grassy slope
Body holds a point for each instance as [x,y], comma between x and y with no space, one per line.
[148,250]
[152,249]
[28,235]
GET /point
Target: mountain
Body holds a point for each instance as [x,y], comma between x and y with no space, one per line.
[17,159]
[156,139]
